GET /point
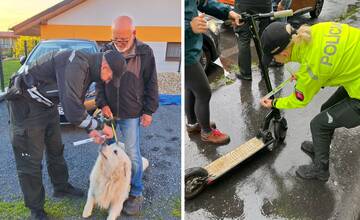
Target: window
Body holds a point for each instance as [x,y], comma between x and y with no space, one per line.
[173,51]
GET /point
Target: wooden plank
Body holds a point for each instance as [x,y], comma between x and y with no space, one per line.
[234,157]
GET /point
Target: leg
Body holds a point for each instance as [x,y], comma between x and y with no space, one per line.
[56,164]
[90,203]
[190,107]
[27,140]
[345,113]
[116,207]
[28,146]
[244,57]
[342,114]
[338,96]
[196,81]
[130,128]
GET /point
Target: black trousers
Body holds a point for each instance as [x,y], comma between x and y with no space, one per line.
[338,111]
[197,96]
[244,35]
[33,130]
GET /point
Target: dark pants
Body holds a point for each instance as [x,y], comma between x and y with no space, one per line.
[244,36]
[33,130]
[338,111]
[197,96]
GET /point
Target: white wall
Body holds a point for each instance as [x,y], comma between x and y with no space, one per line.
[159,53]
[102,12]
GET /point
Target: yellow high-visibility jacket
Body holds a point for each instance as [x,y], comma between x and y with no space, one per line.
[332,58]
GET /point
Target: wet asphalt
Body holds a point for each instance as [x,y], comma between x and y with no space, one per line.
[265,186]
[160,144]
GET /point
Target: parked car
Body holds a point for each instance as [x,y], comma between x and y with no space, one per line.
[63,44]
[210,49]
[314,7]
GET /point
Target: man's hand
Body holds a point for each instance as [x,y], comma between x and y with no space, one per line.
[146,120]
[199,24]
[98,139]
[235,19]
[267,103]
[108,132]
[99,136]
[106,111]
[280,7]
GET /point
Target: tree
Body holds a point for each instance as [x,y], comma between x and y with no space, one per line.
[19,45]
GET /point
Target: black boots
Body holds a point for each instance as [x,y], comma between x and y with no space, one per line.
[69,190]
[308,148]
[314,171]
[38,214]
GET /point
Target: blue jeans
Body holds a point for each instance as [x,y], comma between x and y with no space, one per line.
[130,136]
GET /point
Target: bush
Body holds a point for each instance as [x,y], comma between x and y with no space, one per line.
[19,45]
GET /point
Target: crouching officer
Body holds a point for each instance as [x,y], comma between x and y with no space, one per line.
[34,120]
[329,56]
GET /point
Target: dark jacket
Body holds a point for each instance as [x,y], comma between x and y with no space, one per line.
[64,76]
[254,4]
[194,42]
[138,91]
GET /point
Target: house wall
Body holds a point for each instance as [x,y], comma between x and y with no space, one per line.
[157,23]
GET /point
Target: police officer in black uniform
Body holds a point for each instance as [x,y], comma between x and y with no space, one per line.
[34,120]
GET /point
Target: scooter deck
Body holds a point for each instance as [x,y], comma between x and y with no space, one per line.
[233,158]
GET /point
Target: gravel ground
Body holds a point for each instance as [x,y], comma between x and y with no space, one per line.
[169,83]
[160,143]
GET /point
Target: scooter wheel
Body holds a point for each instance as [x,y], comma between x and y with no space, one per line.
[195,181]
[280,128]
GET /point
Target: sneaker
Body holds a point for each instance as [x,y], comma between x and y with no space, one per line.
[243,77]
[38,214]
[196,128]
[313,171]
[69,191]
[132,205]
[215,137]
[308,148]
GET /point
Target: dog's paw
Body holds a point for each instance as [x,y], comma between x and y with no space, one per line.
[86,213]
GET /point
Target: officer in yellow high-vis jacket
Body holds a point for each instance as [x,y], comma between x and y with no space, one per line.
[329,54]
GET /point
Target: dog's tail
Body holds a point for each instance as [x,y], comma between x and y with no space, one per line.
[145,163]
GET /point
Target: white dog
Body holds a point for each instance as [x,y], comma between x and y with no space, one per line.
[110,180]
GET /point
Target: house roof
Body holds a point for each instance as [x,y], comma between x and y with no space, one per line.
[7,34]
[31,26]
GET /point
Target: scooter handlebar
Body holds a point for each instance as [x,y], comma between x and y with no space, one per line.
[277,14]
[283,14]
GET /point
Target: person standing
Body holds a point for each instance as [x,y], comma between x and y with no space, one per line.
[132,102]
[34,119]
[244,34]
[197,88]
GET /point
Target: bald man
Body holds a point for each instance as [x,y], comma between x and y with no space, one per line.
[133,102]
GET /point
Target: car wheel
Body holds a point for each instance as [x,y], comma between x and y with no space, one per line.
[205,58]
[317,10]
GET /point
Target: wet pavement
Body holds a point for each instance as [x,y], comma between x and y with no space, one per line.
[265,186]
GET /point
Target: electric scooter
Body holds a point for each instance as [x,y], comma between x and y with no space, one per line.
[197,178]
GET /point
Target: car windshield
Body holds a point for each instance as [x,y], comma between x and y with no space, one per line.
[46,47]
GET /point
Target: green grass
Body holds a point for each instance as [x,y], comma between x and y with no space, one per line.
[56,209]
[176,212]
[10,67]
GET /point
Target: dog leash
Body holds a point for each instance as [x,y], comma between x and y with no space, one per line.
[114,132]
